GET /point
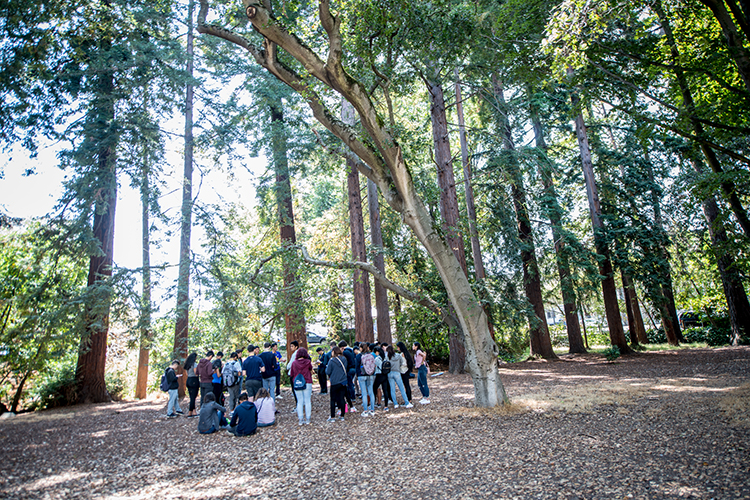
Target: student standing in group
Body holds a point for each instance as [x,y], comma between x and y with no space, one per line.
[337,372]
[230,375]
[366,376]
[252,369]
[293,346]
[406,368]
[381,380]
[192,383]
[205,374]
[173,407]
[302,367]
[266,407]
[394,377]
[277,354]
[245,418]
[271,365]
[322,378]
[420,363]
[348,352]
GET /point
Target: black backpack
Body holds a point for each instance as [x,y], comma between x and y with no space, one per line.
[164,385]
[386,368]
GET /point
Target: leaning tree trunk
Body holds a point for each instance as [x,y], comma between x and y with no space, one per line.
[376,237]
[141,383]
[381,159]
[448,203]
[609,289]
[294,307]
[180,348]
[554,213]
[635,320]
[540,342]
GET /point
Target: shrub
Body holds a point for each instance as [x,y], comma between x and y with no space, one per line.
[713,336]
[656,336]
[612,353]
[56,389]
[558,334]
[115,385]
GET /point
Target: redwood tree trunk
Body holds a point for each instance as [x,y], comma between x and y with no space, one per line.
[448,204]
[541,344]
[609,289]
[554,213]
[362,303]
[180,349]
[376,237]
[635,319]
[141,383]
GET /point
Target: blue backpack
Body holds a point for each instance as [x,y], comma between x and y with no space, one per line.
[300,384]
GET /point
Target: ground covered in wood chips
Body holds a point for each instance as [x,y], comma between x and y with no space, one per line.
[671,424]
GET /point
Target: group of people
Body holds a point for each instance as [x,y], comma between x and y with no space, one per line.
[378,370]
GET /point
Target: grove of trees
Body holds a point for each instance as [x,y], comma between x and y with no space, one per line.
[493,179]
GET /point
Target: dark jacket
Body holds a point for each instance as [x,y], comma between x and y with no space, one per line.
[337,371]
[271,364]
[245,417]
[172,379]
[350,361]
[205,371]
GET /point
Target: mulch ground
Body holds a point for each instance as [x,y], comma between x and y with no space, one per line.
[672,424]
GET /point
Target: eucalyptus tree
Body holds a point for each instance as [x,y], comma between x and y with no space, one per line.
[372,145]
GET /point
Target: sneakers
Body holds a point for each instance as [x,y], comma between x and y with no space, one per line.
[301,422]
[180,412]
[341,419]
[366,414]
[353,409]
[279,396]
[331,420]
[307,422]
[424,401]
[385,409]
[171,415]
[409,406]
[395,406]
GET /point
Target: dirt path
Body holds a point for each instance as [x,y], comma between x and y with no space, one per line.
[672,424]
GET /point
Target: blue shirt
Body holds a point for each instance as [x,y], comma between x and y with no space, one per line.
[245,417]
[252,365]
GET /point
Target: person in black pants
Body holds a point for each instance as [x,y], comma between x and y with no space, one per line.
[406,377]
[322,377]
[336,371]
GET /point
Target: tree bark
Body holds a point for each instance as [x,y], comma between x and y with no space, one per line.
[295,323]
[448,203]
[737,51]
[635,319]
[540,342]
[362,302]
[376,238]
[609,289]
[92,354]
[180,349]
[381,159]
[554,214]
[141,383]
[471,212]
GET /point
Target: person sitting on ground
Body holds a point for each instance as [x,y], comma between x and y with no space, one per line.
[266,407]
[245,418]
[211,415]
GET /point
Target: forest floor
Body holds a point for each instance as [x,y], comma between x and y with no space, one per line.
[668,424]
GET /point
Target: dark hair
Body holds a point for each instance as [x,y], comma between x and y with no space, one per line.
[365,348]
[209,397]
[274,345]
[190,361]
[343,343]
[262,393]
[390,351]
[233,355]
[407,355]
[418,345]
[319,349]
[380,352]
[336,351]
[243,396]
[174,361]
[295,343]
[219,354]
[302,353]
[266,345]
[209,354]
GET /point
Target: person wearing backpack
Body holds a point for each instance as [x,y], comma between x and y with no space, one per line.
[394,377]
[173,407]
[302,385]
[230,374]
[336,371]
[381,380]
[366,376]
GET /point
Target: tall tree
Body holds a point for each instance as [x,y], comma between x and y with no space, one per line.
[376,238]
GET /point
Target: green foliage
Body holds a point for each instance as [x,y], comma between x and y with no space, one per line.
[57,387]
[116,385]
[712,336]
[612,353]
[416,324]
[656,336]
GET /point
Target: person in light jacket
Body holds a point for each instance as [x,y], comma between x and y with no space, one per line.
[394,377]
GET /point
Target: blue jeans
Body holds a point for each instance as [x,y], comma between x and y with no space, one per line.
[173,403]
[366,383]
[422,381]
[269,384]
[394,379]
[304,403]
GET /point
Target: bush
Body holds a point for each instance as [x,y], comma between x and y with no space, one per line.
[57,389]
[710,335]
[115,385]
[656,336]
[612,353]
[558,334]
